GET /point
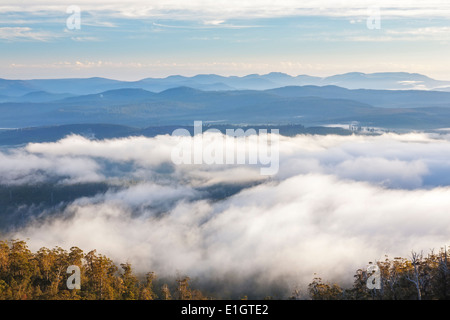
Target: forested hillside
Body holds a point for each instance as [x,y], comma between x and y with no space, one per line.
[418,277]
[41,275]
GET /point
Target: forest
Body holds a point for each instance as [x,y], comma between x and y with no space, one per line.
[418,277]
[41,275]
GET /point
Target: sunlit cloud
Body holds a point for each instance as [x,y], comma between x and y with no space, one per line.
[336,203]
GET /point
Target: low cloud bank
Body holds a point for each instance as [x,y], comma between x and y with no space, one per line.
[336,203]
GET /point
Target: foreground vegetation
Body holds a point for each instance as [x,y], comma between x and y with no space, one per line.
[418,277]
[25,275]
[42,275]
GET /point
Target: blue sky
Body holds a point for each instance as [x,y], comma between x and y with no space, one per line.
[141,39]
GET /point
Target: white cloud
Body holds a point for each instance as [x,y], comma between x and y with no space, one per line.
[337,203]
[24,33]
[303,225]
[225,9]
[19,167]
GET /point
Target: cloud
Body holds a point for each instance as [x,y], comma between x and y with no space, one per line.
[304,225]
[225,9]
[337,203]
[19,167]
[207,25]
[24,33]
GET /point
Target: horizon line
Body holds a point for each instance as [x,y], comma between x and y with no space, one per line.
[221,75]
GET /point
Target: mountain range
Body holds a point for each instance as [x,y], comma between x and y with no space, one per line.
[53,108]
[306,105]
[53,89]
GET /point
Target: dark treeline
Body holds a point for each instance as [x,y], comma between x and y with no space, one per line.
[109,131]
[42,275]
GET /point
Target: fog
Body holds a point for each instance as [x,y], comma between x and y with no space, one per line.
[336,203]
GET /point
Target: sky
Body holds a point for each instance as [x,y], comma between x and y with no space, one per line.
[154,38]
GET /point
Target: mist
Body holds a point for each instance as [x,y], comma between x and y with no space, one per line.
[336,203]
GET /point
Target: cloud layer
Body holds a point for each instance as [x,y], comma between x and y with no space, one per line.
[336,203]
[224,9]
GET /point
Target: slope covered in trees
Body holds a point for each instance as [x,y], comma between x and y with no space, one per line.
[418,277]
[42,275]
[25,275]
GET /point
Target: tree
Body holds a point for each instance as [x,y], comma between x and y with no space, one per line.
[318,290]
[414,277]
[183,290]
[147,292]
[129,283]
[101,273]
[440,282]
[21,270]
[166,292]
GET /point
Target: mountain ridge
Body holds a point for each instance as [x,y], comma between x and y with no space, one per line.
[214,82]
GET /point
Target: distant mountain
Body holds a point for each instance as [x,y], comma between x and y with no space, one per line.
[377,98]
[111,97]
[306,105]
[40,96]
[181,93]
[212,82]
[283,79]
[75,86]
[14,88]
[107,131]
[387,80]
[54,133]
[218,86]
[5,98]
